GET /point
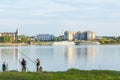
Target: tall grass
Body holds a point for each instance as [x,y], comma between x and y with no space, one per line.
[72,74]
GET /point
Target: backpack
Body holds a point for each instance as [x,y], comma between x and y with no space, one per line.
[23,62]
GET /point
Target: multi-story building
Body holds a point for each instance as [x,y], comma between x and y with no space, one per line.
[91,35]
[45,37]
[69,35]
[13,35]
[77,35]
[86,35]
[83,36]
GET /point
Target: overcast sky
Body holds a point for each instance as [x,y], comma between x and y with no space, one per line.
[32,17]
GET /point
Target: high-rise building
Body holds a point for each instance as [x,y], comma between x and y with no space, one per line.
[83,35]
[77,35]
[86,35]
[69,35]
[91,35]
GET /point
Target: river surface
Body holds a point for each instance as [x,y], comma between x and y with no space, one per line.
[62,58]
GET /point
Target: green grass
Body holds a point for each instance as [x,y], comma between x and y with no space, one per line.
[72,74]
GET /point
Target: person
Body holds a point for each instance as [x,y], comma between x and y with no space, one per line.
[37,65]
[4,67]
[23,65]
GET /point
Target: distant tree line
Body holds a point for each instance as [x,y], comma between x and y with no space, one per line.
[4,39]
[59,38]
[22,39]
[110,41]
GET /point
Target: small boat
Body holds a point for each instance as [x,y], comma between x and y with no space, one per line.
[89,43]
[63,43]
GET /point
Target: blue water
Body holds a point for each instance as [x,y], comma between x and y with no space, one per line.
[62,58]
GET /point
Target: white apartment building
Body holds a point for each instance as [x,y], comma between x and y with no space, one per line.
[86,35]
[69,35]
[45,37]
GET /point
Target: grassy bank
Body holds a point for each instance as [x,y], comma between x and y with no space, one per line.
[71,74]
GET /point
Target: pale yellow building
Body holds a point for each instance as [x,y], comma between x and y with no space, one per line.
[69,35]
[91,35]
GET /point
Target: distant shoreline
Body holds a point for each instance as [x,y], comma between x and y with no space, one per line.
[22,44]
[41,44]
[14,44]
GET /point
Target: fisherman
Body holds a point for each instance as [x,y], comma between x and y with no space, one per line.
[4,67]
[37,65]
[23,65]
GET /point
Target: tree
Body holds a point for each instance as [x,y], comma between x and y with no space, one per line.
[103,40]
[7,39]
[1,39]
[23,38]
[118,39]
[56,39]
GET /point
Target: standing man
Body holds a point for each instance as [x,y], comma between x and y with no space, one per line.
[4,67]
[23,65]
[37,65]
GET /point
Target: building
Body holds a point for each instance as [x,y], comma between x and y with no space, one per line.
[83,36]
[45,37]
[69,36]
[91,35]
[13,35]
[86,35]
[77,35]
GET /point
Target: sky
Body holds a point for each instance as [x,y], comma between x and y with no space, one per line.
[34,17]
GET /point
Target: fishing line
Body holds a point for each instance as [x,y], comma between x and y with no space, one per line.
[27,57]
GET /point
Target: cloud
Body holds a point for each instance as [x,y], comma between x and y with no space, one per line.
[59,12]
[59,9]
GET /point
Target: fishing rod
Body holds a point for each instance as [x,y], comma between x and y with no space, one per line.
[27,57]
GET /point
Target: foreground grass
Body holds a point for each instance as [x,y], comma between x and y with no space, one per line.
[71,74]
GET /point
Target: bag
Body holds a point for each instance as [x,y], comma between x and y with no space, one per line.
[23,62]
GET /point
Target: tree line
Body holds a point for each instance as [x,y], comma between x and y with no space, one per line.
[5,39]
[110,41]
